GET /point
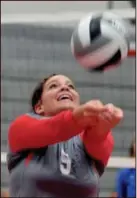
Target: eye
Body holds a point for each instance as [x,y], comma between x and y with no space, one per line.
[71,86]
[52,86]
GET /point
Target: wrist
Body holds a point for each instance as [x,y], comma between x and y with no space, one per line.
[82,119]
[78,114]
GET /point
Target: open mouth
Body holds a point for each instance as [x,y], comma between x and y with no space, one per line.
[65,97]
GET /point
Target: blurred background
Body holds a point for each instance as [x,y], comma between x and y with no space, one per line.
[35,42]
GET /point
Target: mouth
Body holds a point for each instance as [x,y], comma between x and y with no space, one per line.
[64,97]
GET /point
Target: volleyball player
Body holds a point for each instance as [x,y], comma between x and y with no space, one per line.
[126,178]
[62,136]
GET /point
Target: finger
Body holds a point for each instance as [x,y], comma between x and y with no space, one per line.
[106,116]
[112,118]
[118,113]
[108,113]
[94,106]
[90,113]
[109,108]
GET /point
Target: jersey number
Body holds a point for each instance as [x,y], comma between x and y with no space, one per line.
[65,163]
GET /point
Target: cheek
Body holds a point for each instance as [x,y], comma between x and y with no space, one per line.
[47,98]
[77,97]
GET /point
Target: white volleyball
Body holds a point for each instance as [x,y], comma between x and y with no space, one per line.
[100,41]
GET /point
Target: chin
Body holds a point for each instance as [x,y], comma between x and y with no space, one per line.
[62,107]
[69,107]
[66,107]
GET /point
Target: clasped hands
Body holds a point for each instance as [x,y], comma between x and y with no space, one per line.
[95,114]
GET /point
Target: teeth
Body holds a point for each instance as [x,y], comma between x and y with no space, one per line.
[64,97]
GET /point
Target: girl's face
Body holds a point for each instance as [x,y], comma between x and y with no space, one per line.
[59,94]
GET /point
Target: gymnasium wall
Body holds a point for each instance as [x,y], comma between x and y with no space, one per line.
[42,7]
[29,53]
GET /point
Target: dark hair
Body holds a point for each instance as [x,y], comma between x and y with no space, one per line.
[131,149]
[37,93]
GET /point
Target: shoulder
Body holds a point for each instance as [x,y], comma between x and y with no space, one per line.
[27,117]
[35,116]
[122,172]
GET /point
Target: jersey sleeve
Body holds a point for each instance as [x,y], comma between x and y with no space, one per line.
[28,132]
[99,149]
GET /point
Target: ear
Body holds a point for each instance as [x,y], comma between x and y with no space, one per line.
[39,109]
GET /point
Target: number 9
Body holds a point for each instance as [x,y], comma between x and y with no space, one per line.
[65,163]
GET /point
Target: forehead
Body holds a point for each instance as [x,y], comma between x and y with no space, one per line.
[59,78]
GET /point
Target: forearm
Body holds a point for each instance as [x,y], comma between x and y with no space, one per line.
[97,147]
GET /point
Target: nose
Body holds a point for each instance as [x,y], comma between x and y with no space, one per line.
[64,88]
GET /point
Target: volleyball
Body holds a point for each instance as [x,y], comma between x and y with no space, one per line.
[100,41]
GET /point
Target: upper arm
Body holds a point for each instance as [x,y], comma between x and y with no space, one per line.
[28,132]
[23,133]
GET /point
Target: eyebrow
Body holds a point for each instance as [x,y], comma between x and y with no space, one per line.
[48,83]
[55,81]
